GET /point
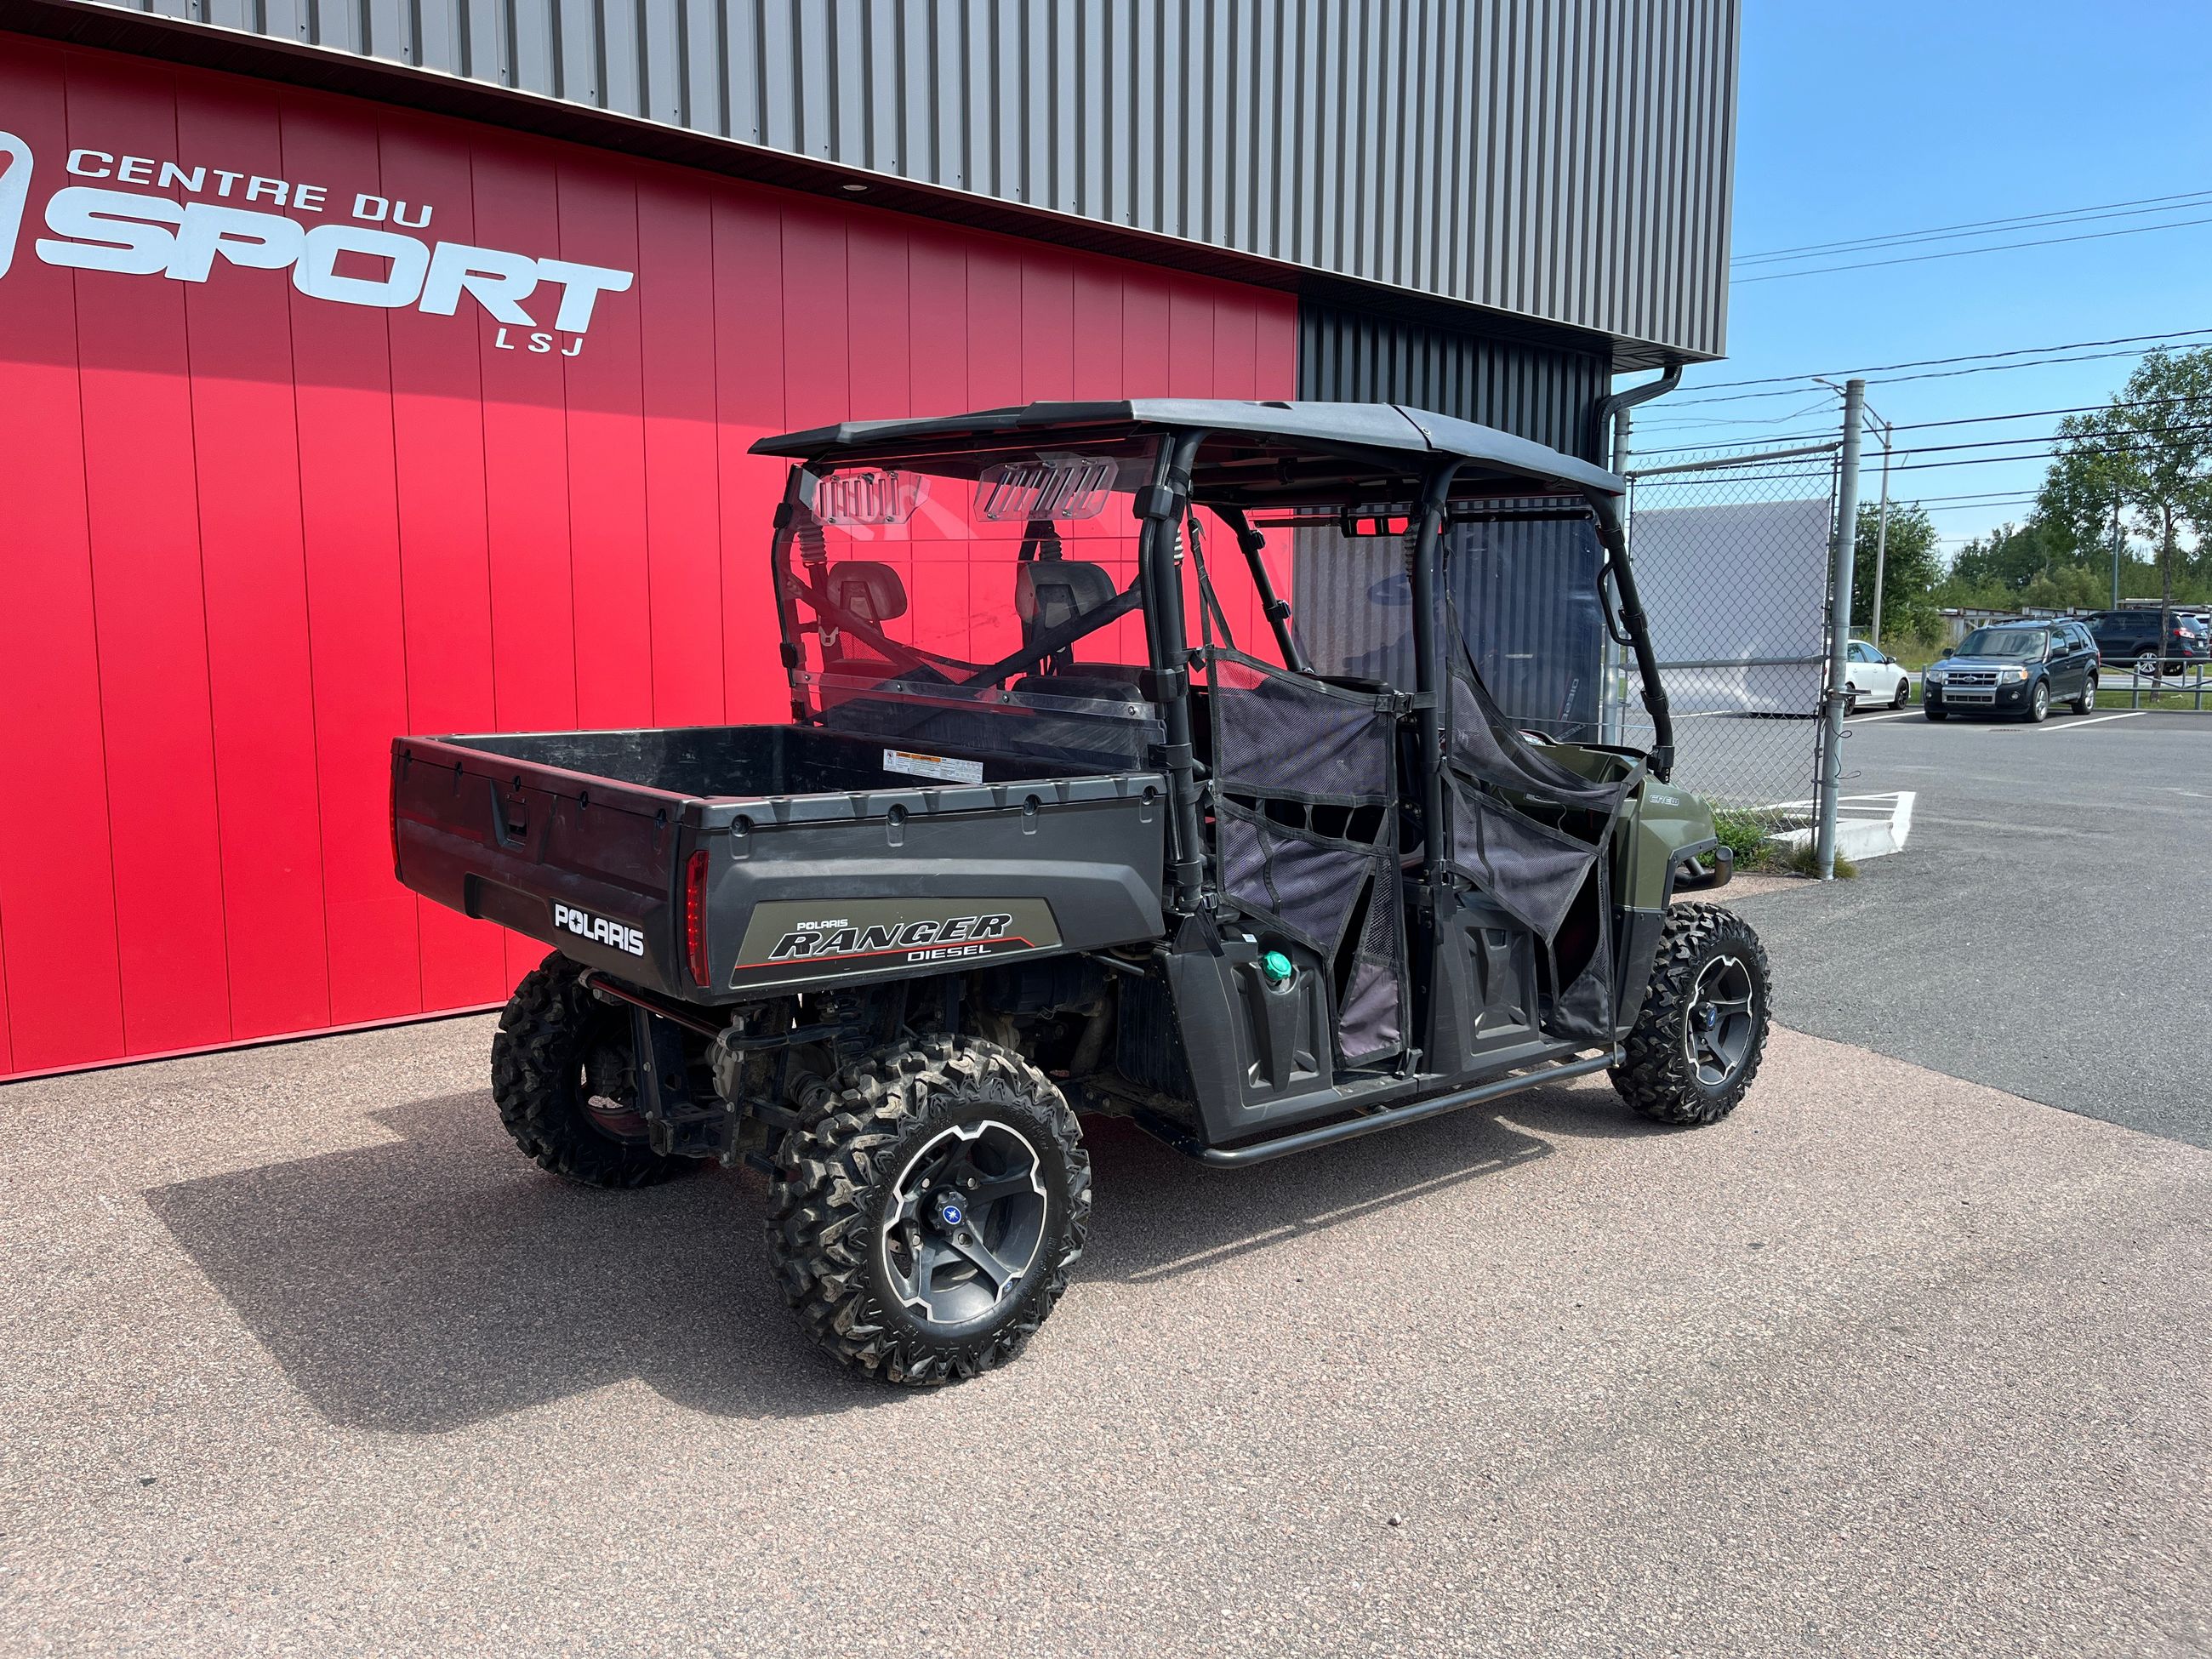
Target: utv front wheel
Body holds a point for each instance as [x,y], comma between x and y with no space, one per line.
[924,1226]
[1698,1043]
[563,1078]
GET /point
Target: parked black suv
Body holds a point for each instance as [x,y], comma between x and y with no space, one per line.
[2131,636]
[2014,668]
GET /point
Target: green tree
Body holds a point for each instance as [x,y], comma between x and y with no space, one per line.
[2150,451]
[1910,571]
[1991,569]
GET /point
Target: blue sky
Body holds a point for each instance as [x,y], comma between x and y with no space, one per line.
[1884,117]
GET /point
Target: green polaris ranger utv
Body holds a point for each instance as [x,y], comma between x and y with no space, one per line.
[1075,812]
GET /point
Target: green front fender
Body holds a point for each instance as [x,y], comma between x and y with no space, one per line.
[1666,823]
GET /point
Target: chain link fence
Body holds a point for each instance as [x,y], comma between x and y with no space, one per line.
[1732,559]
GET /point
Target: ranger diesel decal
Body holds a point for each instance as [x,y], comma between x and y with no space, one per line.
[800,940]
[621,935]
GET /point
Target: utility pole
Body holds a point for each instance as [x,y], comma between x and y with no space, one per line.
[1880,533]
[1842,555]
[2116,552]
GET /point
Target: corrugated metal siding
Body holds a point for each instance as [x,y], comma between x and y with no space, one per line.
[1536,391]
[1568,159]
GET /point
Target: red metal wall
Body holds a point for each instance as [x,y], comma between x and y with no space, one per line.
[247,536]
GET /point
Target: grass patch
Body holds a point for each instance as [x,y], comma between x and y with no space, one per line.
[1744,834]
[1750,837]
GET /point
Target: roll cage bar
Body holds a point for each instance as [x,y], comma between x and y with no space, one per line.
[1271,456]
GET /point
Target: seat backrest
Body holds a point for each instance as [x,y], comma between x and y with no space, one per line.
[868,588]
[1049,592]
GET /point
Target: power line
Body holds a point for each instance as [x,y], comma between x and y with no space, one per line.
[2116,438]
[2018,220]
[1931,374]
[1962,252]
[1967,357]
[1984,227]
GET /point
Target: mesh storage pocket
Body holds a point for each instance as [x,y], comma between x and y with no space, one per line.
[1306,882]
[1371,1021]
[1310,886]
[1291,739]
[1286,747]
[1528,868]
[1483,742]
[1583,1007]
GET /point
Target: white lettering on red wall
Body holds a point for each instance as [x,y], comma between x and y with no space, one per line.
[360,261]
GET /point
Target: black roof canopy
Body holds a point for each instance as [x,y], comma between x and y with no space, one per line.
[1263,453]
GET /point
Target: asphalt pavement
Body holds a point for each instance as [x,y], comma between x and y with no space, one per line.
[298,1355]
[2045,930]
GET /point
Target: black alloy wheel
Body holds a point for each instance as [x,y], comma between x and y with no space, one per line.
[1720,1027]
[1904,691]
[924,1224]
[963,1222]
[1700,1036]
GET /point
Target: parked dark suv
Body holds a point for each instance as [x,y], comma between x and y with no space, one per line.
[2131,636]
[2014,668]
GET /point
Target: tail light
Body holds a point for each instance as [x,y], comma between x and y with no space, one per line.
[695,917]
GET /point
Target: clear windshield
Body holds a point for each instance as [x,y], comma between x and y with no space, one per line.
[2019,644]
[984,603]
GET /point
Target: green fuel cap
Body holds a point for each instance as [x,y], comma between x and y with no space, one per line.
[1275,967]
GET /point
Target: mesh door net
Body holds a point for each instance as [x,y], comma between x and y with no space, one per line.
[1551,876]
[1304,796]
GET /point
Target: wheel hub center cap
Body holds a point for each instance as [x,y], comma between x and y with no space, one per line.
[949,1210]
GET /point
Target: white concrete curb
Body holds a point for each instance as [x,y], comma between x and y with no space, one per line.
[1867,826]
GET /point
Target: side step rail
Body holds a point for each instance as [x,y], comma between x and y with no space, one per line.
[1328,1134]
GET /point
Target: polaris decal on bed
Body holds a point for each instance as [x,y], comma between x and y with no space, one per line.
[621,935]
[804,939]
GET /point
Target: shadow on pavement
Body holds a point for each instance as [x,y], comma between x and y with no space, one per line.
[438,1279]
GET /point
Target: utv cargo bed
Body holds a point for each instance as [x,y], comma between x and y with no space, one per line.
[714,863]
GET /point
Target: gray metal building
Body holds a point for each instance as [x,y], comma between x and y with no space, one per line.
[1486,207]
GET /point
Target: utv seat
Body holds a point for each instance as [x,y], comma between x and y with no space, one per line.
[868,589]
[1049,593]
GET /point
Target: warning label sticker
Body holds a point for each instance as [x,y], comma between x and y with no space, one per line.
[939,767]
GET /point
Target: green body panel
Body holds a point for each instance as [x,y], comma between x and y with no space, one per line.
[1660,822]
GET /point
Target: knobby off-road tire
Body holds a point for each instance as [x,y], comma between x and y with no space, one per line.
[857,1225]
[1708,959]
[558,1050]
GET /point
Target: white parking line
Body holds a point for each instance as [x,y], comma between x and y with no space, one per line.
[1868,720]
[2076,725]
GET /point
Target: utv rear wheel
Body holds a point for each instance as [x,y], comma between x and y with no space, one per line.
[1699,1041]
[561,1075]
[923,1225]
